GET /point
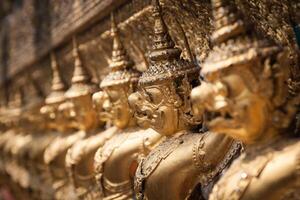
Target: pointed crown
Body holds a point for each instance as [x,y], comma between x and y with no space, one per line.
[34,99]
[81,81]
[58,86]
[121,66]
[37,91]
[233,41]
[165,61]
[18,100]
[15,105]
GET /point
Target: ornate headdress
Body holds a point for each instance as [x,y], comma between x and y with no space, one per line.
[15,105]
[166,63]
[236,45]
[18,100]
[58,87]
[121,67]
[232,40]
[81,81]
[34,100]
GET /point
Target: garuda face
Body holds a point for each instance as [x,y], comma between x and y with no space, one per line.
[157,107]
[235,108]
[83,112]
[78,108]
[55,117]
[242,101]
[49,115]
[112,105]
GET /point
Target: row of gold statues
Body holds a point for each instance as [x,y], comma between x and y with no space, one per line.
[168,133]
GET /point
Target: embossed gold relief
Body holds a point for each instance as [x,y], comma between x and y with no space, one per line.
[38,137]
[22,155]
[16,176]
[155,128]
[182,163]
[276,20]
[246,94]
[116,161]
[80,157]
[78,111]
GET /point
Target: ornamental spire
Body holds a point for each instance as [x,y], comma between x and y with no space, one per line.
[120,60]
[80,74]
[166,63]
[19,98]
[234,42]
[163,45]
[121,66]
[58,86]
[57,82]
[227,22]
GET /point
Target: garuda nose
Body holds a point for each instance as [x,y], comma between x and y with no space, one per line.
[134,100]
[200,96]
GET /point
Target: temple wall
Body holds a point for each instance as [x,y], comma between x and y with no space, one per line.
[34,28]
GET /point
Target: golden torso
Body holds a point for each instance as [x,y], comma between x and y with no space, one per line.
[18,173]
[54,157]
[4,138]
[80,160]
[16,165]
[116,162]
[269,172]
[33,155]
[176,166]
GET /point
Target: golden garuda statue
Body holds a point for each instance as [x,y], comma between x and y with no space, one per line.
[21,165]
[203,104]
[35,125]
[55,124]
[188,160]
[80,157]
[75,119]
[5,133]
[116,161]
[246,90]
[11,141]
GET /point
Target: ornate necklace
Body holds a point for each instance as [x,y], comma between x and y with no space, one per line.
[148,165]
[106,151]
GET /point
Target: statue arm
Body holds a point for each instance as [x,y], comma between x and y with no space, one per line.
[280,179]
[212,153]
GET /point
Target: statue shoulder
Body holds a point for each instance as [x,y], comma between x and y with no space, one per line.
[22,145]
[61,144]
[290,156]
[162,151]
[4,137]
[104,152]
[286,159]
[76,153]
[39,144]
[267,172]
[294,192]
[281,176]
[82,147]
[143,141]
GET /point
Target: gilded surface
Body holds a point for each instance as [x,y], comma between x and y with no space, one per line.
[115,162]
[159,94]
[172,170]
[244,181]
[79,111]
[80,160]
[246,94]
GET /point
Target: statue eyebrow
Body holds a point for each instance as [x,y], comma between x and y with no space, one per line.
[143,92]
[147,95]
